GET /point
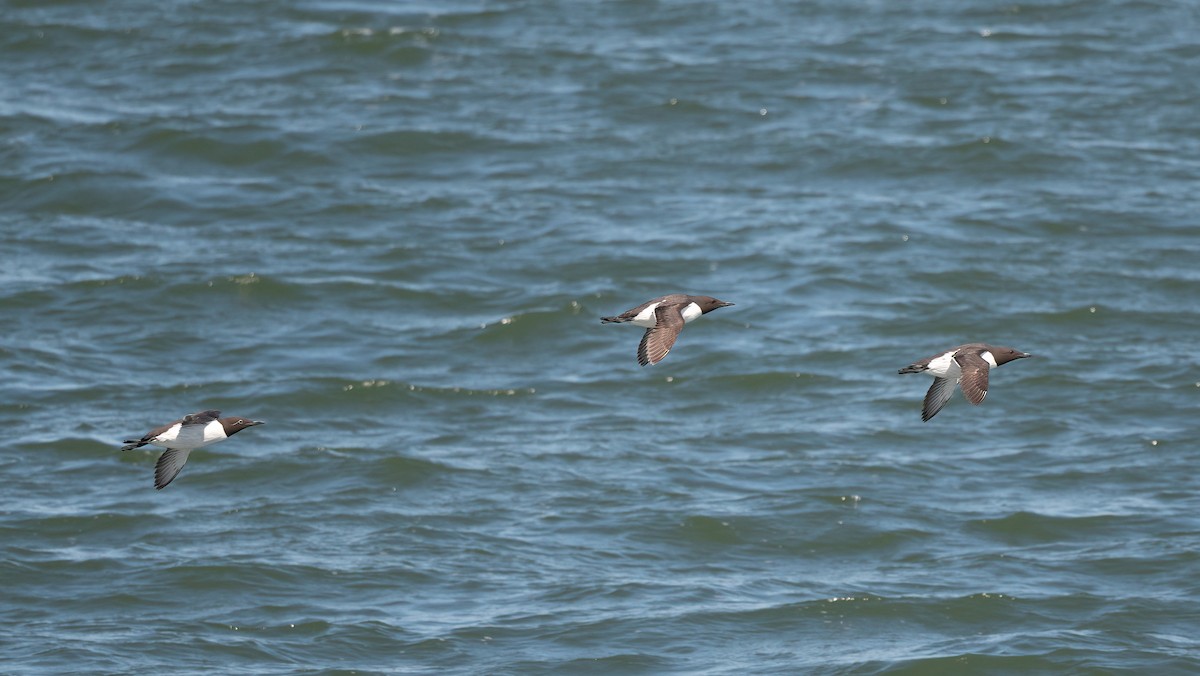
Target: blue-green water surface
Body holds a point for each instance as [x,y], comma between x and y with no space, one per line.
[389,230]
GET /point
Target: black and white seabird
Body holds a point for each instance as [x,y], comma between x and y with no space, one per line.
[184,436]
[966,365]
[664,318]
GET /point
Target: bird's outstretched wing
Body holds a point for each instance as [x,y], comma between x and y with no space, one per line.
[167,468]
[201,418]
[974,377]
[657,341]
[937,396]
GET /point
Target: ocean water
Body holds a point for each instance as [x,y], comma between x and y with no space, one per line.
[389,230]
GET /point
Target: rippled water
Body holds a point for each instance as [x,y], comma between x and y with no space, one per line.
[389,231]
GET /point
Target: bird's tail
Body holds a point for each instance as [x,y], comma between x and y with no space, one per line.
[132,444]
[610,320]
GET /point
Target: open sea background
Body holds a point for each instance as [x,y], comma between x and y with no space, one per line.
[389,230]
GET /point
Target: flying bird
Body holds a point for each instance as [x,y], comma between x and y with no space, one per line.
[184,436]
[967,366]
[664,318]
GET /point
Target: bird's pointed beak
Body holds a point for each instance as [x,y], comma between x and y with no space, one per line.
[1026,354]
[257,422]
[726,303]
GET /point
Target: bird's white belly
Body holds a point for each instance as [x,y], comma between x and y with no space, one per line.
[945,367]
[646,317]
[190,437]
